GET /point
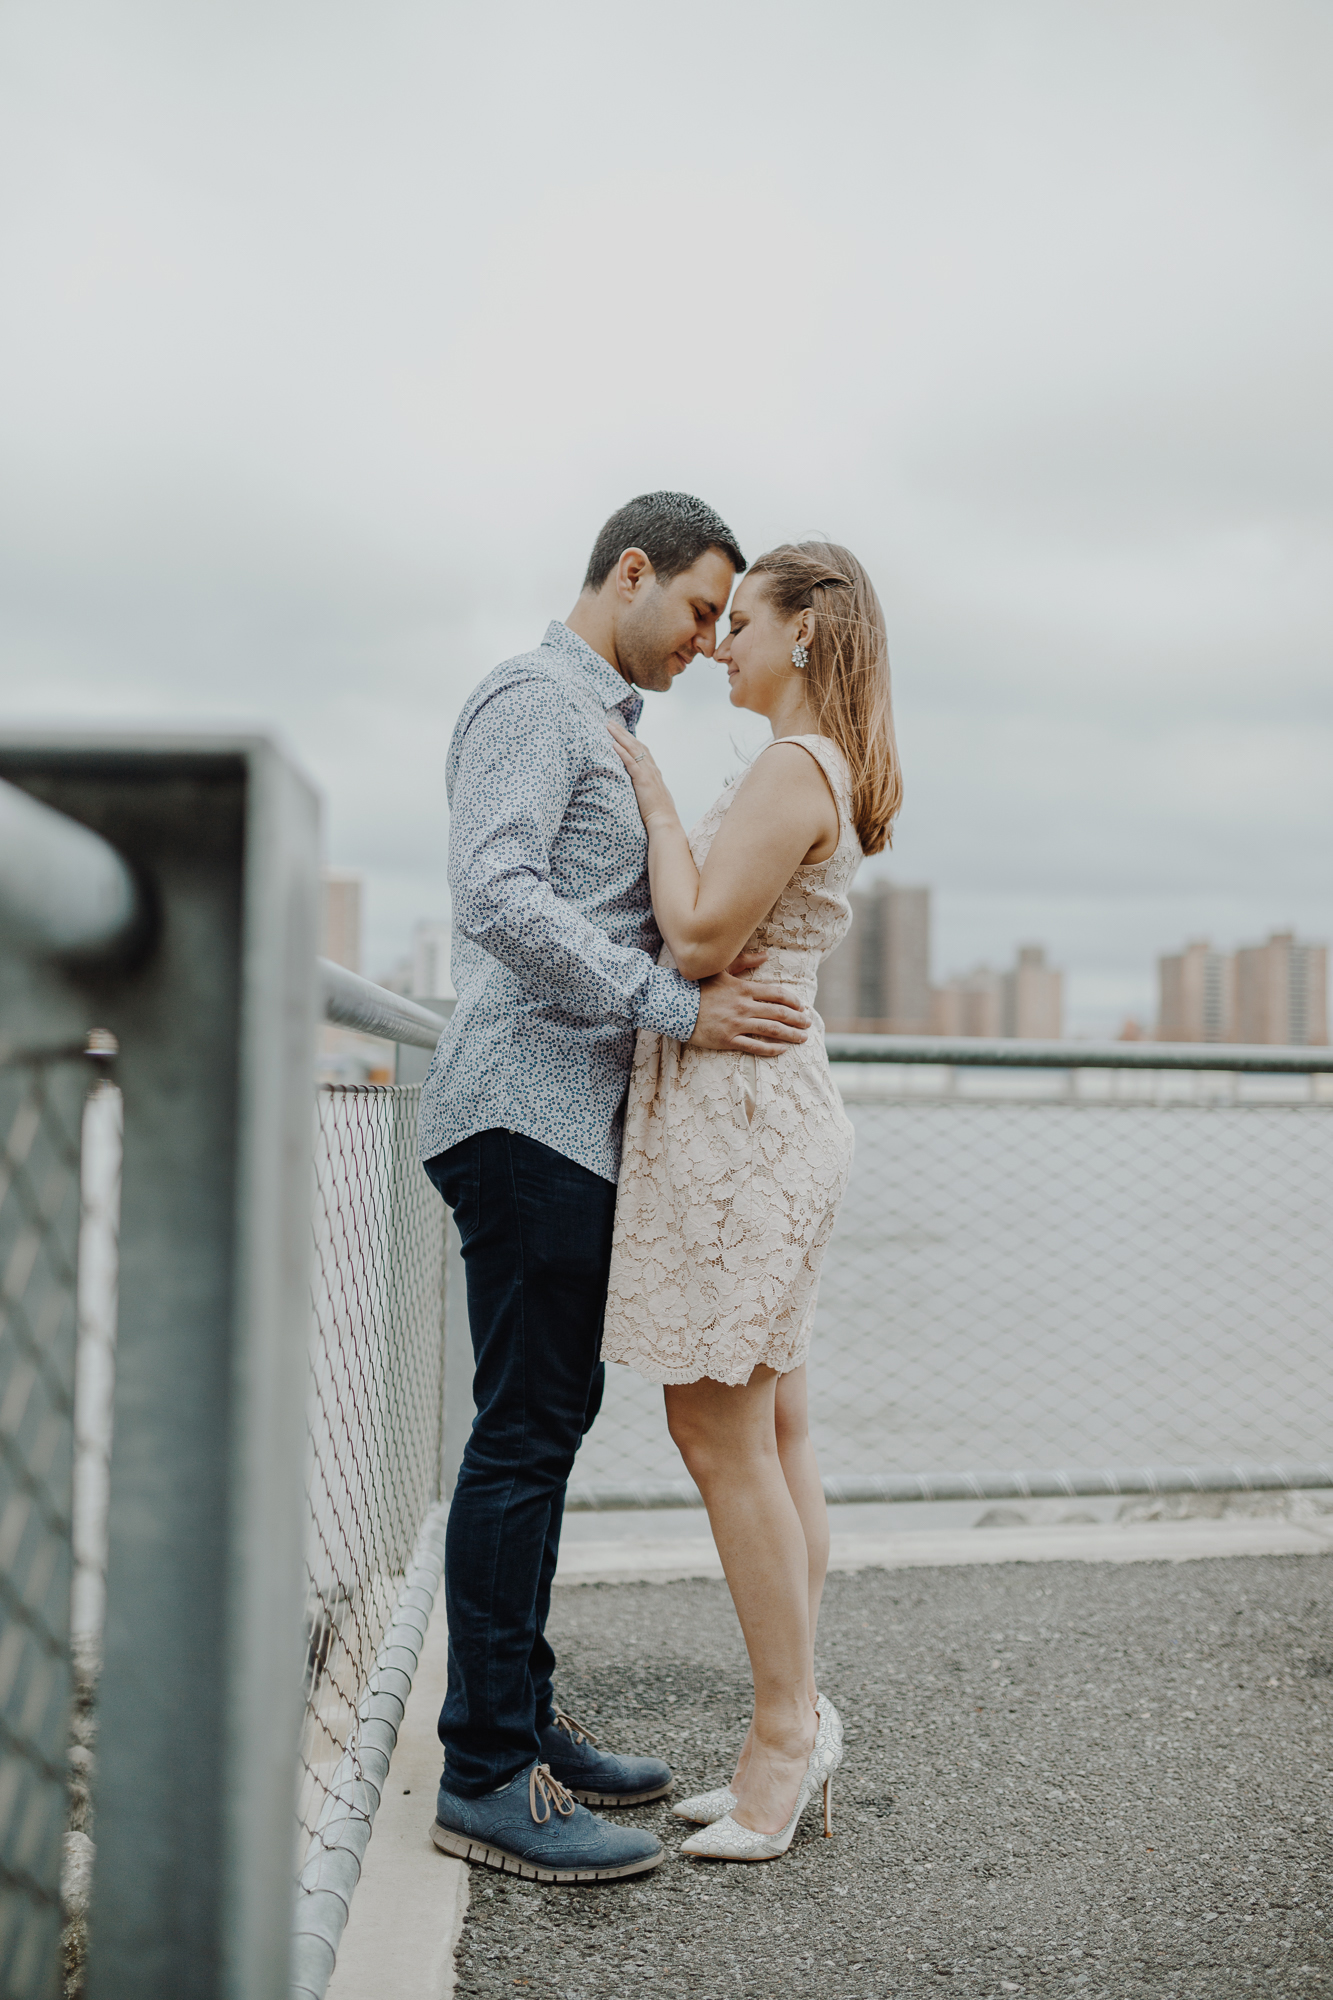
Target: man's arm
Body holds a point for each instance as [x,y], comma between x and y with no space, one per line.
[513,779]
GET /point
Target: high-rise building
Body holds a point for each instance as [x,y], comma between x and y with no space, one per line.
[968,1005]
[344,1055]
[430,960]
[1282,992]
[1026,1003]
[878,979]
[1273,993]
[1196,994]
[1032,998]
[340,918]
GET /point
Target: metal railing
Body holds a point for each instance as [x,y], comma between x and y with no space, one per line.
[1060,1269]
[119,1564]
[157,903]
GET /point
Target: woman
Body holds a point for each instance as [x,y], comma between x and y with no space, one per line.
[733,1167]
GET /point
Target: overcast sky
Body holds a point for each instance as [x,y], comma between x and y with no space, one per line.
[331,333]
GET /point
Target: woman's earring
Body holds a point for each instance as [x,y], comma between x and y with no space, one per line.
[800,657]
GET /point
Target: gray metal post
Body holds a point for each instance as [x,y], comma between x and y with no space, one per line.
[200,1692]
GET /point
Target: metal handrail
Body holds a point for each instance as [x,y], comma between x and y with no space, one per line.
[353,1002]
[64,891]
[978,1052]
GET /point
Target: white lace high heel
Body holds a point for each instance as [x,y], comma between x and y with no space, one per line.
[705,1807]
[727,1840]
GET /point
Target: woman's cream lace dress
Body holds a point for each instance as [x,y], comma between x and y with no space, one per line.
[734,1166]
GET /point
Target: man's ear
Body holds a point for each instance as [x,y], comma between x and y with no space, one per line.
[632,572]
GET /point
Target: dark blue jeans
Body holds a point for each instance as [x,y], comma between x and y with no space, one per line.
[536,1236]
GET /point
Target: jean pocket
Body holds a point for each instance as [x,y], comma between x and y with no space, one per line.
[457,1176]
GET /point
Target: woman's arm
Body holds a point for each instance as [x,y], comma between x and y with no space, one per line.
[783,810]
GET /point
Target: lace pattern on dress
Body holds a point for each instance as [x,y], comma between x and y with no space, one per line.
[725,1206]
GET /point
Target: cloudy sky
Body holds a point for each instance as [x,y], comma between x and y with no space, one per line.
[332,332]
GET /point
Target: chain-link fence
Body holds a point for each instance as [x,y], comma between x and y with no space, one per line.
[375,1432]
[1090,1270]
[41,1113]
[375,1412]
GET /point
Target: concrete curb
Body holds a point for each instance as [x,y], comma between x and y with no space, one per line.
[631,1561]
[338,1844]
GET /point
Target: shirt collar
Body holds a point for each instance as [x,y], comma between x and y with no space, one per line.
[611,687]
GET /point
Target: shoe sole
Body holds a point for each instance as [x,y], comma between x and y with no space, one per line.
[464,1848]
[620,1798]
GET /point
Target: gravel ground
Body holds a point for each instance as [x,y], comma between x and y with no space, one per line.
[1063,1778]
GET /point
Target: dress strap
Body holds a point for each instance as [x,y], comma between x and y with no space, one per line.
[834,766]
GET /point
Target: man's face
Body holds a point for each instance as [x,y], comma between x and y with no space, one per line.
[664,625]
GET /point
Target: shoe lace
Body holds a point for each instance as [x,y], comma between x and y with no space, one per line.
[550,1791]
[578,1730]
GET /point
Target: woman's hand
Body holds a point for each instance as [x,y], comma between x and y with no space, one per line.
[655,802]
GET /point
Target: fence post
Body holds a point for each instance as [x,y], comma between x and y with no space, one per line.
[199,1700]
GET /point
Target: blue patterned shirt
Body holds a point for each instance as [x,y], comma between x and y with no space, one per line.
[554,941]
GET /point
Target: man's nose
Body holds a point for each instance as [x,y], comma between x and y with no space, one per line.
[706,642]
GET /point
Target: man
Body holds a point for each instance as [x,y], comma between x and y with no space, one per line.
[553,960]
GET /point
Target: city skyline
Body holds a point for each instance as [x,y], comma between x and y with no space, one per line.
[882,978]
[289,447]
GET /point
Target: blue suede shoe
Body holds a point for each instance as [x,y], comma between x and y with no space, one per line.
[532,1827]
[597,1776]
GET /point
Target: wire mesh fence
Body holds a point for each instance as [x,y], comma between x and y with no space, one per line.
[375,1410]
[41,1113]
[1050,1272]
[375,1423]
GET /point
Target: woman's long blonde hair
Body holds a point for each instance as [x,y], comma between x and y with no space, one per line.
[847,672]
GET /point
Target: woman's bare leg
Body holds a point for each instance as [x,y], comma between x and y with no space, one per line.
[796,1455]
[728,1439]
[801,1472]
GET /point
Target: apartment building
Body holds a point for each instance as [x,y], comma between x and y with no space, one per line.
[971,1004]
[1282,992]
[1196,994]
[878,979]
[1025,1003]
[1273,993]
[340,918]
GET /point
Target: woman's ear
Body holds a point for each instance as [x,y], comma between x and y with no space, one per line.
[805,626]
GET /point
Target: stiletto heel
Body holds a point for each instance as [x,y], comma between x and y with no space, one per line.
[706,1808]
[828,1807]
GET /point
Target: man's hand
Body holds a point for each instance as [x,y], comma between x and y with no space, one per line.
[748,1020]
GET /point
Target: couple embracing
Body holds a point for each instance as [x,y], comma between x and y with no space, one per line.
[632,1118]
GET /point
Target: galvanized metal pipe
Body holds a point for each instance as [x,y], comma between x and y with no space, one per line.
[353,1002]
[64,891]
[978,1052]
[338,1845]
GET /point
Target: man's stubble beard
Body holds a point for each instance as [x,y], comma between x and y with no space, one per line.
[644,651]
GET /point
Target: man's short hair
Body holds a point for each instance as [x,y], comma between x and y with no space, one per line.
[672,529]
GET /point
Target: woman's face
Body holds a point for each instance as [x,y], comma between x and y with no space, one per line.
[757,650]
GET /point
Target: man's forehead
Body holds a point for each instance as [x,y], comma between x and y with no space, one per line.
[710,578]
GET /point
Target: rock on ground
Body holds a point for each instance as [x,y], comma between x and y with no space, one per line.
[1060,1779]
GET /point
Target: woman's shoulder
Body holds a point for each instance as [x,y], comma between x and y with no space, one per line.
[821,750]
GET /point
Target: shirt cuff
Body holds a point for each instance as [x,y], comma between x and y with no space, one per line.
[669,1005]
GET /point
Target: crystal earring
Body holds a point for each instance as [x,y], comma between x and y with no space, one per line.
[800,657]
